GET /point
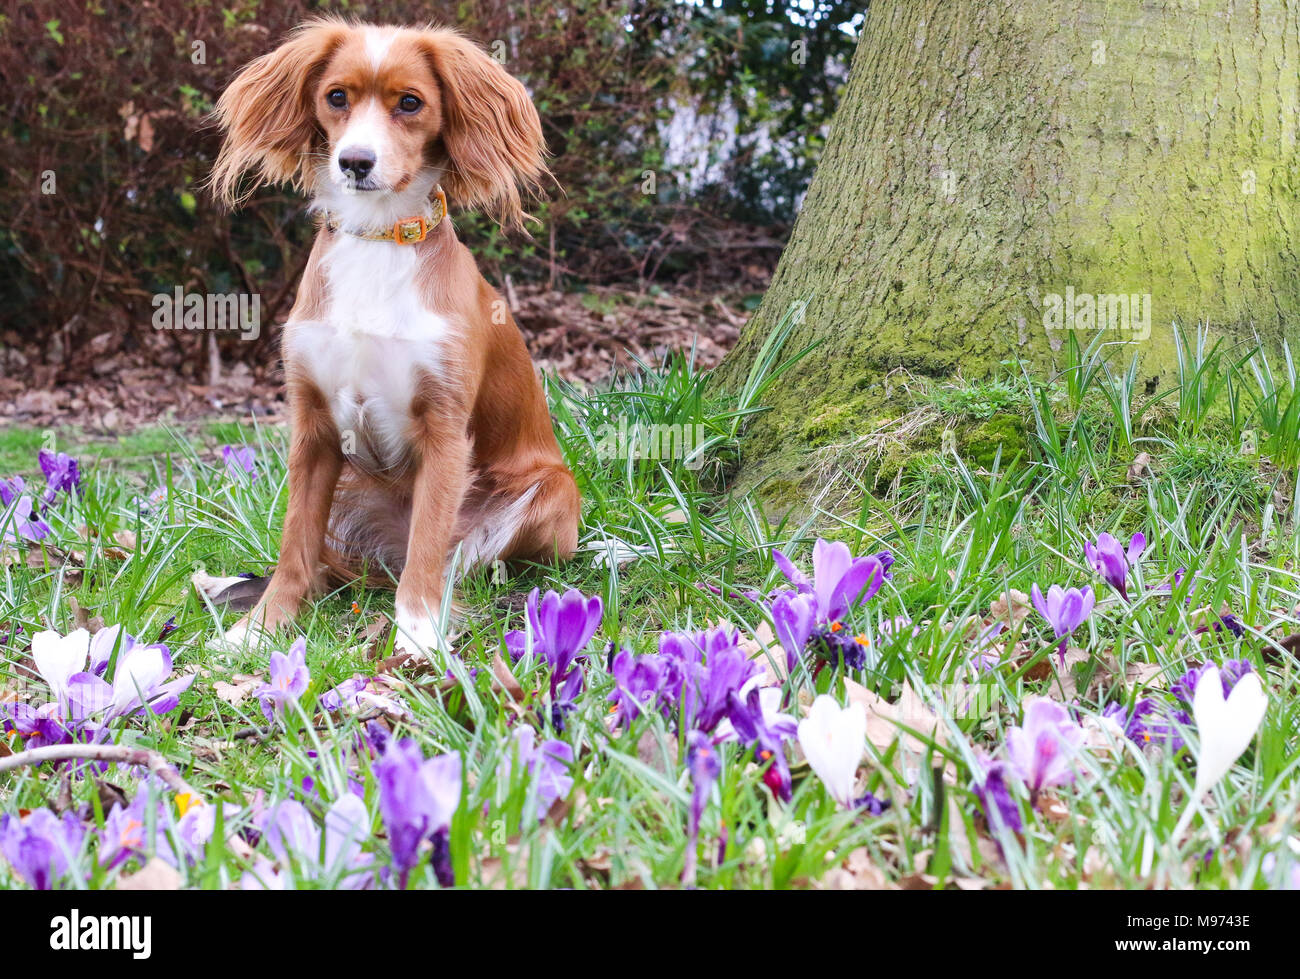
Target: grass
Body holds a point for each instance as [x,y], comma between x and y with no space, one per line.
[654,532]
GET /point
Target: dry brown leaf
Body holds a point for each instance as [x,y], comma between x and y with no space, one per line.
[662,757]
[1011,607]
[239,689]
[884,719]
[506,680]
[153,876]
[1142,674]
[1140,465]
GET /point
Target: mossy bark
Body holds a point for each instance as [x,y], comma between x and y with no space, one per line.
[988,156]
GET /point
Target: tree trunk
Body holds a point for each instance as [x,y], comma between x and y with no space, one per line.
[997,165]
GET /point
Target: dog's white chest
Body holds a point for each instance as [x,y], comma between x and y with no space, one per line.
[367,353]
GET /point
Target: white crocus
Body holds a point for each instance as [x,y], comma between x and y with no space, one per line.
[832,739]
[59,657]
[1225,726]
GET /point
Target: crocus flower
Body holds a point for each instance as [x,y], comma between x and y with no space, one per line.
[417,799]
[1065,610]
[62,475]
[293,837]
[59,658]
[240,460]
[1184,688]
[706,687]
[139,684]
[1110,560]
[346,694]
[562,627]
[289,679]
[1225,724]
[757,724]
[638,685]
[16,519]
[840,581]
[794,615]
[1000,809]
[1151,722]
[808,617]
[127,832]
[832,739]
[702,762]
[40,847]
[516,644]
[1042,750]
[547,765]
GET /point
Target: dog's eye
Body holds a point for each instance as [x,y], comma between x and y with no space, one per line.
[409,103]
[337,98]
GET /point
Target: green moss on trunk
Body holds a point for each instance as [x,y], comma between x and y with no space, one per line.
[990,155]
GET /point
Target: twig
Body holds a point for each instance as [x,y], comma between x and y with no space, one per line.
[121,754]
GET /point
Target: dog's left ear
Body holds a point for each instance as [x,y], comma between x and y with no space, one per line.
[491,132]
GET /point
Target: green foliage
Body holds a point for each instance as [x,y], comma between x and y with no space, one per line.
[129,145]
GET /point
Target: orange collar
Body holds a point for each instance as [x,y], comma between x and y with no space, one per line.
[408,231]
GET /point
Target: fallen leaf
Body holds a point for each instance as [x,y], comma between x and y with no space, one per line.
[153,876]
[1141,464]
[885,720]
[1011,607]
[240,687]
[506,680]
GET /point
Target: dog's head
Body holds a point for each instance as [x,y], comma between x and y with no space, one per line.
[380,112]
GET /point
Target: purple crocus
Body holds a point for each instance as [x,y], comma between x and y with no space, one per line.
[516,644]
[703,764]
[808,617]
[794,615]
[1064,609]
[638,686]
[1041,751]
[41,847]
[547,765]
[1110,560]
[1152,721]
[562,626]
[289,679]
[294,838]
[758,725]
[840,581]
[62,474]
[346,694]
[994,793]
[17,521]
[128,832]
[417,799]
[710,667]
[240,460]
[1184,688]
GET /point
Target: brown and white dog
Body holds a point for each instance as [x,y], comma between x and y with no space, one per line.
[418,421]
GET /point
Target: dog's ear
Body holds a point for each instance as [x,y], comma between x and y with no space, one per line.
[490,130]
[267,115]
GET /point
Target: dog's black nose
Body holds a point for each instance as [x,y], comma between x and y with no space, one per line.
[357,160]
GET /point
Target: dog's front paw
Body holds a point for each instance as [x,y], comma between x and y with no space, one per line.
[419,635]
[247,633]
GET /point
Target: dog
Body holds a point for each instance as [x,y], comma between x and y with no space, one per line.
[419,425]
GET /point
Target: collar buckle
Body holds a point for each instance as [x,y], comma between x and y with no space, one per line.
[410,231]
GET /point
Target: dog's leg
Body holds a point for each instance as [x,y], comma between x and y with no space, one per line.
[315,461]
[442,458]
